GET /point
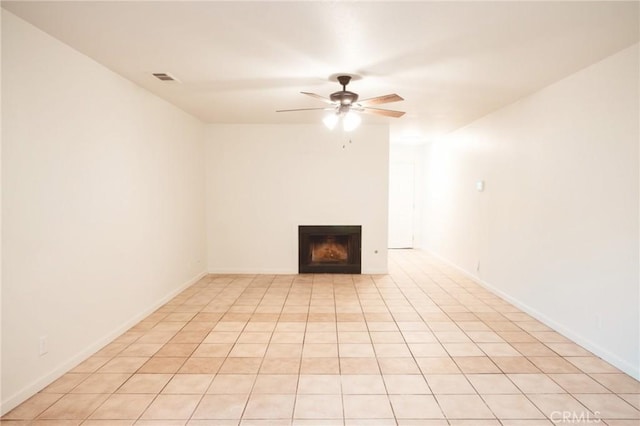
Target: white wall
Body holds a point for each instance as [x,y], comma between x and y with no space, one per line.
[556,230]
[265,180]
[1,398]
[102,205]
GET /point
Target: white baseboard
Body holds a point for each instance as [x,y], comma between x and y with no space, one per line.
[374,271]
[278,272]
[252,271]
[613,359]
[42,382]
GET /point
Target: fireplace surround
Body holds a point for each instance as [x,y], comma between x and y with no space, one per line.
[329,249]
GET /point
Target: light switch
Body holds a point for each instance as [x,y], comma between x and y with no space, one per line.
[480,185]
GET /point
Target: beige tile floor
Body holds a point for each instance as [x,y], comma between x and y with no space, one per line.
[423,345]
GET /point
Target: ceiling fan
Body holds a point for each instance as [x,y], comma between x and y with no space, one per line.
[344,104]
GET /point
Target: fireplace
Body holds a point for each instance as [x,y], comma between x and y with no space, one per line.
[329,249]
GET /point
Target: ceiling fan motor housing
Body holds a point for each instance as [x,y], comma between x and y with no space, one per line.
[344,97]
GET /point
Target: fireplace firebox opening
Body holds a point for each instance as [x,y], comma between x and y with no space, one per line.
[329,249]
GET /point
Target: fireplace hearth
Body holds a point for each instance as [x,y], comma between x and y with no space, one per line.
[329,249]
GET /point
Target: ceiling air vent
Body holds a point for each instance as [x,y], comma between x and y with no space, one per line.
[164,76]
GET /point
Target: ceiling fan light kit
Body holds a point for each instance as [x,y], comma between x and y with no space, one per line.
[350,121]
[345,106]
[330,120]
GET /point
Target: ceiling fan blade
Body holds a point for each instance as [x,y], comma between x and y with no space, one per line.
[303,109]
[385,112]
[322,98]
[382,100]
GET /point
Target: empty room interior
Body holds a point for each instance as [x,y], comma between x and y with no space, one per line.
[320,213]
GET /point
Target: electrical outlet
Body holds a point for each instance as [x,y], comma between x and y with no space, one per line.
[44,346]
[599,321]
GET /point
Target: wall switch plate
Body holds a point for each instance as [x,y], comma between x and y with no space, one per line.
[480,185]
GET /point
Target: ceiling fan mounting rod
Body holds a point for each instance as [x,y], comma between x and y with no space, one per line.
[344,97]
[344,80]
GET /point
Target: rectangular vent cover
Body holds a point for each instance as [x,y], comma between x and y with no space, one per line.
[163,76]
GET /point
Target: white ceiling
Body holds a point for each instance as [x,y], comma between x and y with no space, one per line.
[238,62]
